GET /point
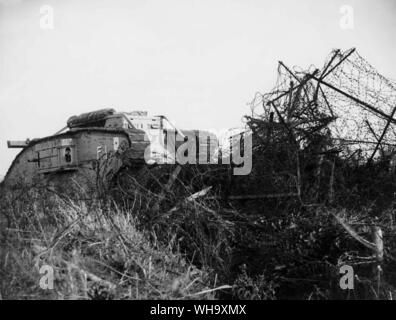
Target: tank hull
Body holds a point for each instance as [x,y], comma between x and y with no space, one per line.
[82,154]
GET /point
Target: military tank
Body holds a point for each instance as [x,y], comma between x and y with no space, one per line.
[101,141]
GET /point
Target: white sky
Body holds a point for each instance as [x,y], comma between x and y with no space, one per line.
[197,62]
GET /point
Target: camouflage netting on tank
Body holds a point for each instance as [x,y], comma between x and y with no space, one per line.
[347,100]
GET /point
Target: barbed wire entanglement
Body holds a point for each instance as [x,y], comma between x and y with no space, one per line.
[348,101]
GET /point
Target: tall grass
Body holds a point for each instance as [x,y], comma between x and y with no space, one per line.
[136,241]
[95,250]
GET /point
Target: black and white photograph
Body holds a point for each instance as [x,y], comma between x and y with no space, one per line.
[197,155]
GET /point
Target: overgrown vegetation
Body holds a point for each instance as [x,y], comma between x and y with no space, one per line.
[95,249]
[148,245]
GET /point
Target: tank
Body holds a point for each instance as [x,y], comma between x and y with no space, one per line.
[100,143]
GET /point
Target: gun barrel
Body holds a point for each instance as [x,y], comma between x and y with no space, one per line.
[17,144]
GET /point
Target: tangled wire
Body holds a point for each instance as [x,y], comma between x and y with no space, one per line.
[348,99]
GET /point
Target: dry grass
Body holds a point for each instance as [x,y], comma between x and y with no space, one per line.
[95,250]
[174,245]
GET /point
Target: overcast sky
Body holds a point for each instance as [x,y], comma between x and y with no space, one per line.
[197,62]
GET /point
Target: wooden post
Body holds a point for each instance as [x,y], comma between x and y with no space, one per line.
[379,243]
[379,255]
